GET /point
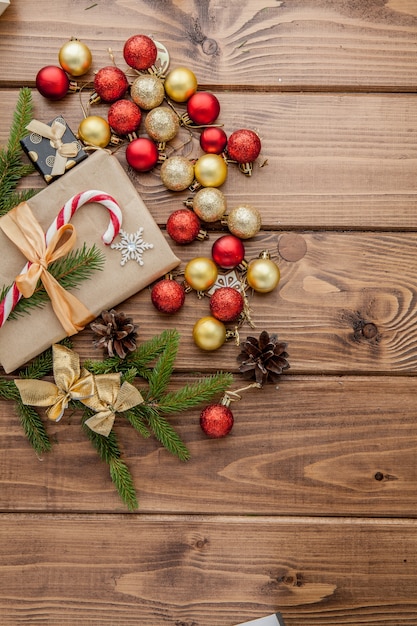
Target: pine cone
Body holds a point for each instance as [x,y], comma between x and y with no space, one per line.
[116,333]
[264,358]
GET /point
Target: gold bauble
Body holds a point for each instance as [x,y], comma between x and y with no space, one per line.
[94,131]
[162,124]
[75,57]
[263,274]
[209,333]
[177,173]
[147,91]
[209,204]
[180,84]
[244,221]
[200,273]
[211,170]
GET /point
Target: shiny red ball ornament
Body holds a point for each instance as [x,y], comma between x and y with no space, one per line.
[183,226]
[142,154]
[216,420]
[140,52]
[110,83]
[228,251]
[226,304]
[124,117]
[52,82]
[168,296]
[243,146]
[213,140]
[203,108]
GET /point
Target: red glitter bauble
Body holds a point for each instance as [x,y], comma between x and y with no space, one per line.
[124,117]
[140,52]
[226,304]
[228,251]
[183,226]
[216,420]
[52,82]
[168,296]
[142,154]
[213,140]
[243,146]
[203,108]
[110,83]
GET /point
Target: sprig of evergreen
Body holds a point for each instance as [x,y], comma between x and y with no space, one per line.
[193,394]
[12,168]
[34,428]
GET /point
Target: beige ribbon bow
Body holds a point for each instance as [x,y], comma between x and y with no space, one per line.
[22,228]
[110,398]
[55,133]
[71,383]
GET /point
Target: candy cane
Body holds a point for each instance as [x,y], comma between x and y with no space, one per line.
[13,295]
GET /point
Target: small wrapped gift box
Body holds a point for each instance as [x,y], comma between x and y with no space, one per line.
[31,333]
[3,5]
[53,148]
[271,620]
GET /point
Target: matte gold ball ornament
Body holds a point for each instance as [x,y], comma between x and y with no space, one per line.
[209,333]
[180,84]
[200,273]
[263,274]
[244,221]
[147,91]
[75,57]
[210,170]
[95,131]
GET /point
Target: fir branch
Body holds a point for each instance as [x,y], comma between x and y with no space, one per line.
[78,266]
[164,432]
[162,371]
[195,393]
[42,364]
[109,452]
[16,197]
[137,421]
[12,168]
[33,427]
[8,390]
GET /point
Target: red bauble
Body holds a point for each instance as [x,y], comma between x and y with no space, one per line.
[183,226]
[110,83]
[228,251]
[168,296]
[243,146]
[140,52]
[226,304]
[52,82]
[203,108]
[216,420]
[142,154]
[213,140]
[124,117]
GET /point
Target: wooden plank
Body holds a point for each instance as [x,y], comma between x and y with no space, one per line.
[305,44]
[316,446]
[332,161]
[68,569]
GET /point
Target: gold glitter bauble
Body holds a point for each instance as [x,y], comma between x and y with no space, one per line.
[94,131]
[200,273]
[180,84]
[177,173]
[147,91]
[75,57]
[209,204]
[210,170]
[209,333]
[162,124]
[244,221]
[263,275]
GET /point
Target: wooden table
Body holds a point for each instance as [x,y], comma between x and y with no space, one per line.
[309,506]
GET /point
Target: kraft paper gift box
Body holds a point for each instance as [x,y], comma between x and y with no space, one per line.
[27,336]
[271,620]
[3,5]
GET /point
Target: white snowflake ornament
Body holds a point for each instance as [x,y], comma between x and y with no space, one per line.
[131,246]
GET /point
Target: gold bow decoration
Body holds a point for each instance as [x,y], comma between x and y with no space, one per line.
[55,133]
[23,229]
[110,398]
[71,383]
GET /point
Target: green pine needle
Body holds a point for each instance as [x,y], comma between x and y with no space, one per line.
[164,432]
[162,371]
[194,394]
[34,428]
[137,421]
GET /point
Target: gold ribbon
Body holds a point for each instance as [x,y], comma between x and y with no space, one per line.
[110,398]
[71,383]
[55,133]
[22,228]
